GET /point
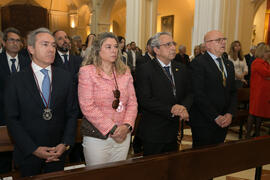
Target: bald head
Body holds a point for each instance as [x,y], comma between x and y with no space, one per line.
[215,42]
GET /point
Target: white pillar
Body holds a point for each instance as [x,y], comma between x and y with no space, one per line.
[133,24]
[208,16]
[141,21]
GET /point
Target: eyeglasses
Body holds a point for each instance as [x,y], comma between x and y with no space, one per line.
[13,40]
[115,103]
[168,44]
[219,40]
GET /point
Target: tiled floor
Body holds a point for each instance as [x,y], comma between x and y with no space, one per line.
[231,136]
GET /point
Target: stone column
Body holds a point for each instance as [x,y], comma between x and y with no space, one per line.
[208,16]
[141,21]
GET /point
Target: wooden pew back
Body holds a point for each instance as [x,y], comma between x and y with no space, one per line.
[194,164]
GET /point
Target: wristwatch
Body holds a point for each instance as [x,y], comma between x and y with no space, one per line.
[128,126]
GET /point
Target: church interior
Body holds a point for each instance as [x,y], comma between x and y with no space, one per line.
[187,20]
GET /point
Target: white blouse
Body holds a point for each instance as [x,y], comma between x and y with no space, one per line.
[240,67]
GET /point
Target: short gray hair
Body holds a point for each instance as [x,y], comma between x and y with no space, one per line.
[31,38]
[155,40]
[181,47]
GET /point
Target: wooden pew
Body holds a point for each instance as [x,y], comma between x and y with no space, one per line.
[6,143]
[195,164]
[243,111]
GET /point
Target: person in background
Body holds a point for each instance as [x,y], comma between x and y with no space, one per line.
[196,52]
[108,102]
[239,62]
[250,57]
[181,56]
[202,48]
[149,55]
[83,52]
[78,44]
[259,103]
[11,61]
[122,46]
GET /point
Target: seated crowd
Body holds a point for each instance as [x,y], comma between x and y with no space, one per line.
[53,80]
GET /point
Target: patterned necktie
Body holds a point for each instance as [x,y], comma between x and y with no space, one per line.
[13,67]
[45,86]
[222,71]
[167,69]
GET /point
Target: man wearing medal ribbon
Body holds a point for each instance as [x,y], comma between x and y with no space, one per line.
[40,109]
[164,94]
[214,92]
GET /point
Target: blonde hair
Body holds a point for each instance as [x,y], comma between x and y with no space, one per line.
[92,54]
[261,50]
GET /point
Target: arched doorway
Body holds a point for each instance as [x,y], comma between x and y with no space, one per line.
[24,17]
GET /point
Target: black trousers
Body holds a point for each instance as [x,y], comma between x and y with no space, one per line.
[5,162]
[33,165]
[205,135]
[150,148]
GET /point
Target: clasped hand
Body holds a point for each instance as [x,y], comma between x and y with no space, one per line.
[224,121]
[120,133]
[50,154]
[181,111]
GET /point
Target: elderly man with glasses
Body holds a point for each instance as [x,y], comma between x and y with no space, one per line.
[214,92]
[163,90]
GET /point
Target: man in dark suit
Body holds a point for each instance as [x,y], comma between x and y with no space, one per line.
[148,54]
[63,57]
[164,95]
[66,60]
[133,55]
[250,57]
[214,93]
[40,109]
[181,56]
[10,62]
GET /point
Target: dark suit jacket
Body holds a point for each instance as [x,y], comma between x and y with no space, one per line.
[73,66]
[142,59]
[184,60]
[249,60]
[211,98]
[4,75]
[155,97]
[130,59]
[24,108]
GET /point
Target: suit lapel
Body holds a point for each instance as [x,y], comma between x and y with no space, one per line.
[31,85]
[5,64]
[162,74]
[55,81]
[214,67]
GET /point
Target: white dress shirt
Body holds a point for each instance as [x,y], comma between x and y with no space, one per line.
[39,75]
[10,62]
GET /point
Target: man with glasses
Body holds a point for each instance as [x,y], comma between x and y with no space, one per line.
[214,92]
[10,62]
[40,109]
[163,90]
